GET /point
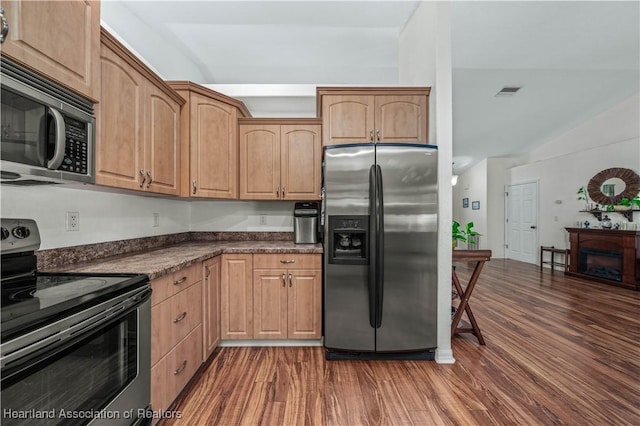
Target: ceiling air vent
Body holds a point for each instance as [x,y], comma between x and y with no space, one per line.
[508,91]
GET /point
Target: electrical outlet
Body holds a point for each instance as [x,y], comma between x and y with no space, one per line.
[263,219]
[156,220]
[72,222]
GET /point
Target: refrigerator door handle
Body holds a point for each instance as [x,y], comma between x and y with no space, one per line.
[379,246]
[372,245]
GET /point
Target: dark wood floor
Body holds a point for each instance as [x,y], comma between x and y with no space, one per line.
[559,350]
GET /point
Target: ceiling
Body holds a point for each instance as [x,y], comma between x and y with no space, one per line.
[573,60]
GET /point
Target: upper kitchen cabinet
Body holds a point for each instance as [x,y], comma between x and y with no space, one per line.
[362,114]
[138,125]
[280,159]
[209,141]
[58,39]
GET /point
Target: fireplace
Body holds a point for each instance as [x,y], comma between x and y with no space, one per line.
[601,263]
[605,255]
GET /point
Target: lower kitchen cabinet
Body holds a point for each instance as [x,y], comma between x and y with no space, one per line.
[287,296]
[176,333]
[236,297]
[211,305]
[170,375]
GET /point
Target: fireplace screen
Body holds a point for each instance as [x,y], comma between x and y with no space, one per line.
[601,263]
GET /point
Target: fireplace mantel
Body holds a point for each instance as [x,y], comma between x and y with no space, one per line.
[605,255]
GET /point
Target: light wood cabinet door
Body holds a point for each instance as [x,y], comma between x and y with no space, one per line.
[214,148]
[401,119]
[211,306]
[304,304]
[347,119]
[301,161]
[162,147]
[269,304]
[120,124]
[260,162]
[185,359]
[60,39]
[236,297]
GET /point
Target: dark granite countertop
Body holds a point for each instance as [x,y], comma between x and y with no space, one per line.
[161,261]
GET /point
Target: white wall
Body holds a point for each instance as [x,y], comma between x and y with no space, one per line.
[561,166]
[473,185]
[241,216]
[104,216]
[425,60]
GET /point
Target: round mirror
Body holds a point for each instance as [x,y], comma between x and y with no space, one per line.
[612,185]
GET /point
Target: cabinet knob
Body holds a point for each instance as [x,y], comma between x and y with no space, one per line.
[378,135]
[277,192]
[195,185]
[371,135]
[4,26]
[144,178]
[283,190]
[290,280]
[284,280]
[150,178]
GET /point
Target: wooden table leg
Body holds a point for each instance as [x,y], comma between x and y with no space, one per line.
[465,295]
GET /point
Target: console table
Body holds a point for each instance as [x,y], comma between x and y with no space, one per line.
[605,255]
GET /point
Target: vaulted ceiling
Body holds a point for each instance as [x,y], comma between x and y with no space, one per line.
[572,60]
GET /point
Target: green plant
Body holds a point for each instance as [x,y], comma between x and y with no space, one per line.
[457,234]
[583,196]
[471,234]
[635,201]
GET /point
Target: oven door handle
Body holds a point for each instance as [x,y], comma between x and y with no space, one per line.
[19,361]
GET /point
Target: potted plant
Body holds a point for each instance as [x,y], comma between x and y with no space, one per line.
[472,236]
[628,204]
[583,196]
[457,234]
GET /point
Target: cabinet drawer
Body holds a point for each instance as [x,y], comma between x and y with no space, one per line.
[170,284]
[174,370]
[287,261]
[173,319]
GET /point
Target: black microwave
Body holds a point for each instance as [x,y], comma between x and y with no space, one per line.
[47,133]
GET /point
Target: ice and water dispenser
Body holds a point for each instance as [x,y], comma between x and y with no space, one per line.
[348,240]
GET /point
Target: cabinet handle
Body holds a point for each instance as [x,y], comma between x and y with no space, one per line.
[144,178]
[287,261]
[283,189]
[180,318]
[208,274]
[277,192]
[195,185]
[371,135]
[5,26]
[284,280]
[180,281]
[181,368]
[378,135]
[290,280]
[150,178]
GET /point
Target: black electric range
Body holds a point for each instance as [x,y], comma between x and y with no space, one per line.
[31,299]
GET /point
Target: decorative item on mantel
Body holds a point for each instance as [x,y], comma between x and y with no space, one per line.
[606,222]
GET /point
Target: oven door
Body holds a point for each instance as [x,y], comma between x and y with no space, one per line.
[102,376]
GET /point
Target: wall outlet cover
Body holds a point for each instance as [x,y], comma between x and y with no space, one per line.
[72,221]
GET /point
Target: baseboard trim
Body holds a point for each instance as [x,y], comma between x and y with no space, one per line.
[445,356]
[264,343]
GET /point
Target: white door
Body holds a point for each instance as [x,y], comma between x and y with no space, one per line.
[522,222]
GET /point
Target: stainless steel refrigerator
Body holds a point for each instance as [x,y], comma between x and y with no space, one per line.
[380,237]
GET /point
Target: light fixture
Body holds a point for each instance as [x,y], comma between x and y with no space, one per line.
[454,180]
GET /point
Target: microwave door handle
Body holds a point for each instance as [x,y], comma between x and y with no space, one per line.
[58,154]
